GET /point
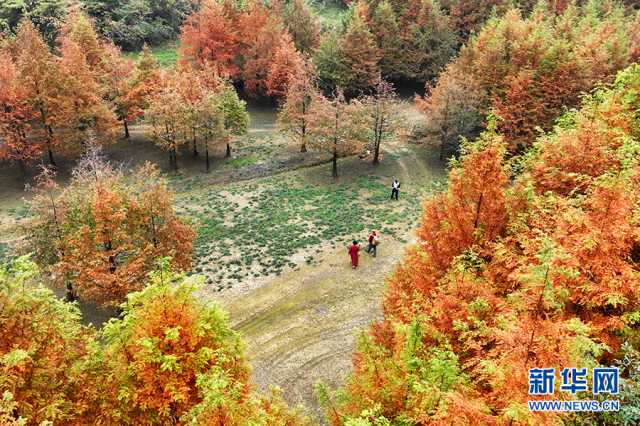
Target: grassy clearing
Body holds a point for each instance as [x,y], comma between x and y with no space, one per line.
[263,227]
[166,53]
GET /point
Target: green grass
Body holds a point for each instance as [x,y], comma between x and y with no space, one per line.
[166,54]
[19,212]
[240,162]
[253,228]
[4,253]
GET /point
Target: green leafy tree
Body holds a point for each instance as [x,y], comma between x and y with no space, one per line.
[360,55]
[46,15]
[387,30]
[329,62]
[132,23]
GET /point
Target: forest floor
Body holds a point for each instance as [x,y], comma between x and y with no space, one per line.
[272,234]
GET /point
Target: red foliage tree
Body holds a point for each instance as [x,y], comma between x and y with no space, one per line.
[210,36]
[17,144]
[529,70]
[108,231]
[287,64]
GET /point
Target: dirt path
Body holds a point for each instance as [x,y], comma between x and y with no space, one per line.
[301,327]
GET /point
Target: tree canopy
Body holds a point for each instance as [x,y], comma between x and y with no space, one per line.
[168,360]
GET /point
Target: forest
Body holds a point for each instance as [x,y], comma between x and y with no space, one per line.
[187,189]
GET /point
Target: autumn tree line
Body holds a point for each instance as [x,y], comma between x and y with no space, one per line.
[80,94]
[85,93]
[524,65]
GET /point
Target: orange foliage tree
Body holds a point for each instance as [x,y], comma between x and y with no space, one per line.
[168,116]
[302,24]
[169,359]
[337,126]
[529,70]
[118,87]
[73,95]
[172,360]
[247,43]
[512,271]
[40,78]
[407,40]
[133,95]
[294,116]
[107,230]
[41,345]
[383,116]
[468,16]
[83,115]
[210,36]
[17,144]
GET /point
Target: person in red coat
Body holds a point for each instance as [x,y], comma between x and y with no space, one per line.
[353,252]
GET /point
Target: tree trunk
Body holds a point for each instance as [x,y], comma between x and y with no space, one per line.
[195,145]
[303,147]
[70,295]
[376,142]
[126,128]
[49,133]
[334,164]
[206,151]
[477,219]
[376,154]
[228,154]
[175,160]
[22,167]
[51,160]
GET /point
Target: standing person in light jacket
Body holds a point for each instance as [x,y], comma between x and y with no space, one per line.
[395,189]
